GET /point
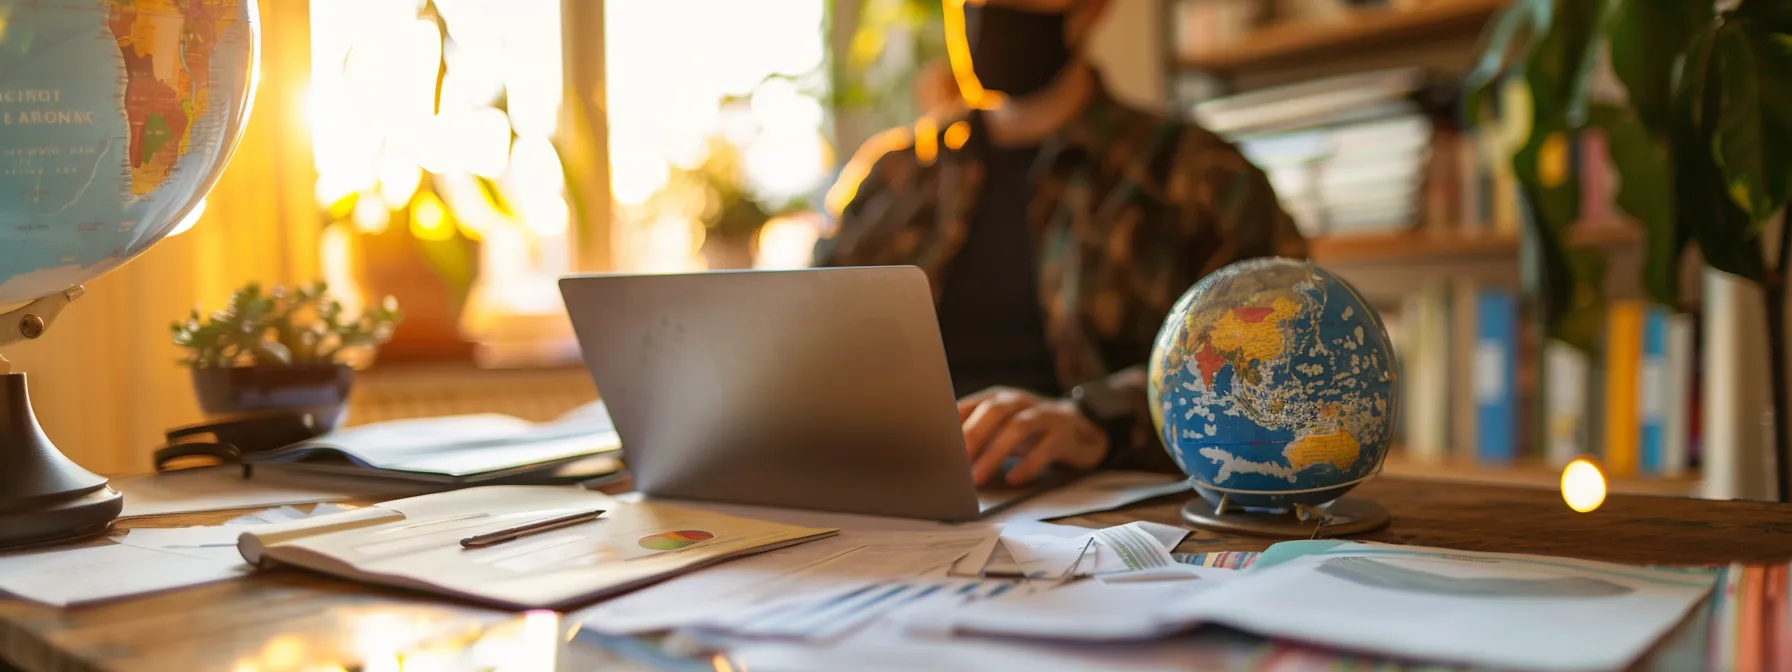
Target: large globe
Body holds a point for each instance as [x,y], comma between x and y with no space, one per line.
[116,117]
[1273,382]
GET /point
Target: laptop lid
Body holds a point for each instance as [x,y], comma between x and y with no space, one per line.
[823,389]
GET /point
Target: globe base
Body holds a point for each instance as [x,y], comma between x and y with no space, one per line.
[45,498]
[1342,517]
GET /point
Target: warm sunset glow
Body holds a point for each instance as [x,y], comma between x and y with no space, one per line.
[429,219]
[749,76]
[958,51]
[1583,486]
[847,186]
[957,134]
[927,140]
[787,242]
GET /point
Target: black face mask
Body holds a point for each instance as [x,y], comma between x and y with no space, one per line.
[1014,51]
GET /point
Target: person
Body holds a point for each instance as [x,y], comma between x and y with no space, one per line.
[1057,226]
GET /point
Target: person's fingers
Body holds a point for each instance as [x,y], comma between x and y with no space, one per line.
[971,401]
[986,419]
[1046,449]
[1017,431]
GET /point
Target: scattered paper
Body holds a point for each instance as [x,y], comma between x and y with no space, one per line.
[214,489]
[1485,609]
[832,614]
[1098,609]
[838,565]
[1047,551]
[215,542]
[1100,491]
[1135,546]
[95,573]
[284,514]
[909,637]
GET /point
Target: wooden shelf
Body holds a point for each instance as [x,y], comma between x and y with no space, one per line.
[1423,246]
[1532,474]
[1281,43]
[1404,246]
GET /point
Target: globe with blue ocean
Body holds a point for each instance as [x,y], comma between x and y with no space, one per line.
[1274,384]
[116,117]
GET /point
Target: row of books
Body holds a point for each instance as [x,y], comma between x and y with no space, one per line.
[1206,26]
[1372,153]
[1478,386]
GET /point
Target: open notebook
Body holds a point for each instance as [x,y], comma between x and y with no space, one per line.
[461,449]
[415,543]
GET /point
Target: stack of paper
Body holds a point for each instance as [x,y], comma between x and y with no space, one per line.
[459,448]
[418,543]
[142,561]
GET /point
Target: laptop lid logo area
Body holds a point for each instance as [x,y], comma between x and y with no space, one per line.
[821,389]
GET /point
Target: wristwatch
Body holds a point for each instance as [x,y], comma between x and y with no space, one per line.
[1101,403]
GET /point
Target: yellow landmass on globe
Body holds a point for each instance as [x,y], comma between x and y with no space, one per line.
[167,47]
[1253,332]
[1338,449]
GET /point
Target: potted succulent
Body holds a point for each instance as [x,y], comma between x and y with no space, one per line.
[281,350]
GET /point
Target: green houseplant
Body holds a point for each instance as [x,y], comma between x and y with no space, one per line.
[1701,139]
[280,350]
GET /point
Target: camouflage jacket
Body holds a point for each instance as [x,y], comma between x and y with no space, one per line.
[1130,209]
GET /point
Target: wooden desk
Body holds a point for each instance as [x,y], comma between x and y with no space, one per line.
[285,620]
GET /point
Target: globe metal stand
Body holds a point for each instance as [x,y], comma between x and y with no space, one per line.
[1341,517]
[45,498]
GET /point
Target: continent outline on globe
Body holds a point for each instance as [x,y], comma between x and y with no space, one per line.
[118,117]
[1274,381]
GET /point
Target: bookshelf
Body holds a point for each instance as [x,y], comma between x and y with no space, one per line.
[1364,30]
[1418,245]
[1449,262]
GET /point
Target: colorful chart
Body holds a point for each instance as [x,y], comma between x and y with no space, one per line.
[667,541]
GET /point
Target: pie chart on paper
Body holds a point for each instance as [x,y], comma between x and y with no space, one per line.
[669,541]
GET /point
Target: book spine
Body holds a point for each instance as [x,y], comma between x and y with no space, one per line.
[1496,377]
[1677,417]
[1653,391]
[1624,335]
[1566,403]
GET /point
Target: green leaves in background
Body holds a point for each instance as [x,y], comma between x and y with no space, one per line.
[1546,50]
[1753,77]
[1702,143]
[1647,39]
[1646,162]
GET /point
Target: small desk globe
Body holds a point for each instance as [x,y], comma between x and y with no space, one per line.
[116,119]
[1273,385]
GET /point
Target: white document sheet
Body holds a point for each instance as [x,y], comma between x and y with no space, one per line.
[1048,550]
[416,543]
[105,571]
[216,489]
[1100,491]
[837,565]
[1487,609]
[217,542]
[1094,609]
[909,637]
[461,445]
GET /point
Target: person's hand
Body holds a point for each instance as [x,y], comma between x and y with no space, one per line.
[1003,422]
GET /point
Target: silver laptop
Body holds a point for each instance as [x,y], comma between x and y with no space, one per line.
[822,389]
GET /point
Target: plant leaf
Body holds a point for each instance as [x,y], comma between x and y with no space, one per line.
[1497,45]
[1727,240]
[1645,169]
[1752,143]
[1647,40]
